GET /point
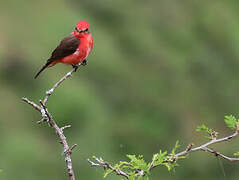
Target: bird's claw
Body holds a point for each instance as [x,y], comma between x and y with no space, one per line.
[75,67]
[84,63]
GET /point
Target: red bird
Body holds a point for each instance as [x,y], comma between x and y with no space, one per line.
[73,49]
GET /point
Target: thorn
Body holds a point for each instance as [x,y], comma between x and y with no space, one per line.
[68,126]
[72,147]
[69,151]
[42,120]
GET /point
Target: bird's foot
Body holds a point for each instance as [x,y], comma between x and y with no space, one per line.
[75,67]
[84,63]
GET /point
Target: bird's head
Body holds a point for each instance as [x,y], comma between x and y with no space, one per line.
[82,27]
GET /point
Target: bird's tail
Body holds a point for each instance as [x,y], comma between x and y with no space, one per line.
[44,67]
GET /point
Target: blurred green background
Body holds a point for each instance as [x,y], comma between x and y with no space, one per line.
[158,69]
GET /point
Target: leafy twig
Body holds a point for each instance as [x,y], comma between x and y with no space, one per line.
[137,168]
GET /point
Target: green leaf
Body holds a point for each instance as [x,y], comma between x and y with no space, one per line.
[138,162]
[175,147]
[236,154]
[124,164]
[231,122]
[183,157]
[107,172]
[158,158]
[204,128]
[171,166]
[132,176]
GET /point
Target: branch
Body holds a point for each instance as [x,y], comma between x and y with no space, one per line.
[166,159]
[221,155]
[49,93]
[59,132]
[204,147]
[106,165]
[47,117]
[34,105]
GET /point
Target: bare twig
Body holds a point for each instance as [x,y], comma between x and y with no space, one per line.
[46,116]
[220,154]
[42,120]
[68,126]
[48,93]
[38,108]
[106,165]
[204,147]
[72,147]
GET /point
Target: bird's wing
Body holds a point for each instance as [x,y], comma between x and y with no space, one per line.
[66,47]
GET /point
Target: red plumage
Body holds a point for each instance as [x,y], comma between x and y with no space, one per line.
[73,49]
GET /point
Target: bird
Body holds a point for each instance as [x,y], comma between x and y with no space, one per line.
[73,49]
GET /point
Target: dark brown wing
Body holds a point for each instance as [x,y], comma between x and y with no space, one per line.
[66,47]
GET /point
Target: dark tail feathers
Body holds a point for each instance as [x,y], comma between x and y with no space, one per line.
[44,67]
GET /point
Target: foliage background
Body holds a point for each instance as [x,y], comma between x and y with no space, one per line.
[158,69]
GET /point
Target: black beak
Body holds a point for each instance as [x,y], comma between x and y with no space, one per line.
[80,31]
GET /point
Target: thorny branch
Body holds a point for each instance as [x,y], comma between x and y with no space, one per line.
[99,162]
[46,116]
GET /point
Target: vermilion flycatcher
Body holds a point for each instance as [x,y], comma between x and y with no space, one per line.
[73,49]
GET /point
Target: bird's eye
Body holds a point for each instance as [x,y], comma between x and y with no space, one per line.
[86,30]
[79,31]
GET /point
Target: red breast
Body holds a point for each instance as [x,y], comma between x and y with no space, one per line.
[84,48]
